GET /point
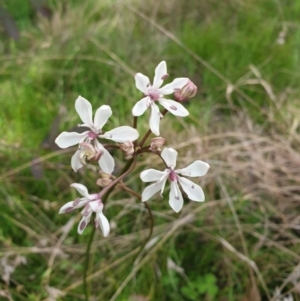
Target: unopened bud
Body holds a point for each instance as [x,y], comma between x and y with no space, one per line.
[88,153]
[128,148]
[187,92]
[103,182]
[157,143]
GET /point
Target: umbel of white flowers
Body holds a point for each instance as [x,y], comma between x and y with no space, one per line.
[90,148]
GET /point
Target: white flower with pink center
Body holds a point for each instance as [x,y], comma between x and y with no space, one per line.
[193,191]
[91,203]
[155,93]
[120,134]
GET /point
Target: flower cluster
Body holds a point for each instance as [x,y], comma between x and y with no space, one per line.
[91,148]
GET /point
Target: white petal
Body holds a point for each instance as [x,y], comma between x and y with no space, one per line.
[101,116]
[150,190]
[177,83]
[84,110]
[151,175]
[174,107]
[142,82]
[175,197]
[170,156]
[194,191]
[66,139]
[141,106]
[154,119]
[83,223]
[121,134]
[68,207]
[160,73]
[75,161]
[81,189]
[196,169]
[107,162]
[103,223]
[96,205]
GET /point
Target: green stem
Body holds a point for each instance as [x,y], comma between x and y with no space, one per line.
[105,194]
[87,265]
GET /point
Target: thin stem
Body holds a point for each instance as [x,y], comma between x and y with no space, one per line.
[149,131]
[134,122]
[104,195]
[87,265]
[145,138]
[129,167]
[111,146]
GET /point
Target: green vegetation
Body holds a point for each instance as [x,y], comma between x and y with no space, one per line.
[241,243]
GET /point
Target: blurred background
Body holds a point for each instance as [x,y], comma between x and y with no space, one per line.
[242,243]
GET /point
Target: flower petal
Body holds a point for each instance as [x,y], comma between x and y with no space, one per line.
[103,223]
[160,73]
[196,169]
[70,206]
[107,162]
[121,134]
[175,197]
[83,223]
[66,139]
[170,156]
[81,189]
[150,190]
[194,191]
[177,83]
[174,107]
[101,116]
[141,106]
[154,119]
[75,161]
[96,205]
[142,82]
[84,110]
[151,175]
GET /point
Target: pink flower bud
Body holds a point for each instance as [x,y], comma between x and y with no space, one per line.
[187,92]
[103,182]
[128,148]
[157,143]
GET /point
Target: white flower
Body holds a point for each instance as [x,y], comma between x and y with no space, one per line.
[155,93]
[120,134]
[91,203]
[193,191]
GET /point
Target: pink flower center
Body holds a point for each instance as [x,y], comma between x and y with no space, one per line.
[153,94]
[92,135]
[173,176]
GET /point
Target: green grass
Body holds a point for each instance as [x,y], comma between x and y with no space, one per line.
[94,49]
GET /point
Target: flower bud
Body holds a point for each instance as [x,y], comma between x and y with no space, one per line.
[103,182]
[128,148]
[157,143]
[187,92]
[88,153]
